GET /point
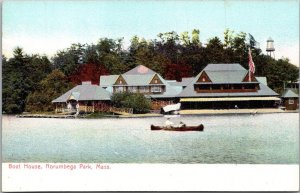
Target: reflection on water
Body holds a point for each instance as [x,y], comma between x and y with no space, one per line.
[259,139]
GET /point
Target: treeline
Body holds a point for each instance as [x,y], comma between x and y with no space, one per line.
[31,82]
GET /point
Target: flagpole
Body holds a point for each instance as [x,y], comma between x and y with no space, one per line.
[249,75]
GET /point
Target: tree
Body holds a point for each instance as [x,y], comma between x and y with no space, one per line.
[185,38]
[51,87]
[88,72]
[177,72]
[68,60]
[196,37]
[228,38]
[214,51]
[138,102]
[110,55]
[17,83]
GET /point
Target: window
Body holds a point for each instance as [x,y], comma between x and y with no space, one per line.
[204,87]
[144,89]
[291,101]
[249,86]
[119,89]
[155,81]
[132,89]
[156,89]
[238,86]
[216,87]
[120,82]
[226,86]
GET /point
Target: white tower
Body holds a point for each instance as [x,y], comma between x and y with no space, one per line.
[270,47]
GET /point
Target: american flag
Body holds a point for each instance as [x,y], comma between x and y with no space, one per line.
[251,65]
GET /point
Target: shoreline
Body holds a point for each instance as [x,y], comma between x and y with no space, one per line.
[182,112]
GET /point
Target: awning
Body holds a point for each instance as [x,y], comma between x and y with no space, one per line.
[230,99]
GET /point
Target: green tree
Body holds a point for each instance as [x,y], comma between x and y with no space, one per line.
[20,74]
[69,59]
[51,87]
[138,102]
[196,37]
[185,38]
[214,51]
[111,55]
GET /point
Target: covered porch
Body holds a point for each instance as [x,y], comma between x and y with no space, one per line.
[230,103]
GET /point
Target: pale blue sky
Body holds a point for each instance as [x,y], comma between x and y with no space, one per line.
[47,26]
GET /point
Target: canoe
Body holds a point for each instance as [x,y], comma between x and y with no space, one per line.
[185,128]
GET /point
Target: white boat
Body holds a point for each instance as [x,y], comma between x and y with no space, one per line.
[172,109]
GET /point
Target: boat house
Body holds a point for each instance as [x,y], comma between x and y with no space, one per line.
[83,98]
[145,81]
[227,86]
[217,86]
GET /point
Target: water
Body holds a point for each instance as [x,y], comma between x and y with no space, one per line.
[259,139]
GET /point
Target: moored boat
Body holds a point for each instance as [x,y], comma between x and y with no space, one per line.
[183,128]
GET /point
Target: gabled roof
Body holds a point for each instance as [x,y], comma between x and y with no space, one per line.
[262,80]
[108,80]
[138,80]
[184,81]
[289,94]
[131,80]
[140,70]
[228,77]
[84,93]
[225,73]
[224,67]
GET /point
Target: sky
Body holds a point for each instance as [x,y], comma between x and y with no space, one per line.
[44,27]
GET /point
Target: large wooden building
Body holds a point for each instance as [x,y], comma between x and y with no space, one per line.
[142,80]
[218,86]
[227,86]
[83,98]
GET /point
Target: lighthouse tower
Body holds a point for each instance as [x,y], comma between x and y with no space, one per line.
[270,48]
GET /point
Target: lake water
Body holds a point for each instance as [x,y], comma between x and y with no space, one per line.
[258,139]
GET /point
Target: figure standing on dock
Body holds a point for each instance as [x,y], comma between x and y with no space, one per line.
[69,106]
[77,107]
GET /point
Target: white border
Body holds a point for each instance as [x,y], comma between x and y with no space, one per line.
[154,177]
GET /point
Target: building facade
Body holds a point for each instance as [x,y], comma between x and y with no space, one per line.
[83,98]
[217,86]
[145,81]
[290,100]
[227,86]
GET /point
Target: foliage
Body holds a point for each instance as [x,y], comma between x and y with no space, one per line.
[88,72]
[138,102]
[51,87]
[21,75]
[176,71]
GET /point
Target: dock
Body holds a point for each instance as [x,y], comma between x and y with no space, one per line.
[44,116]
